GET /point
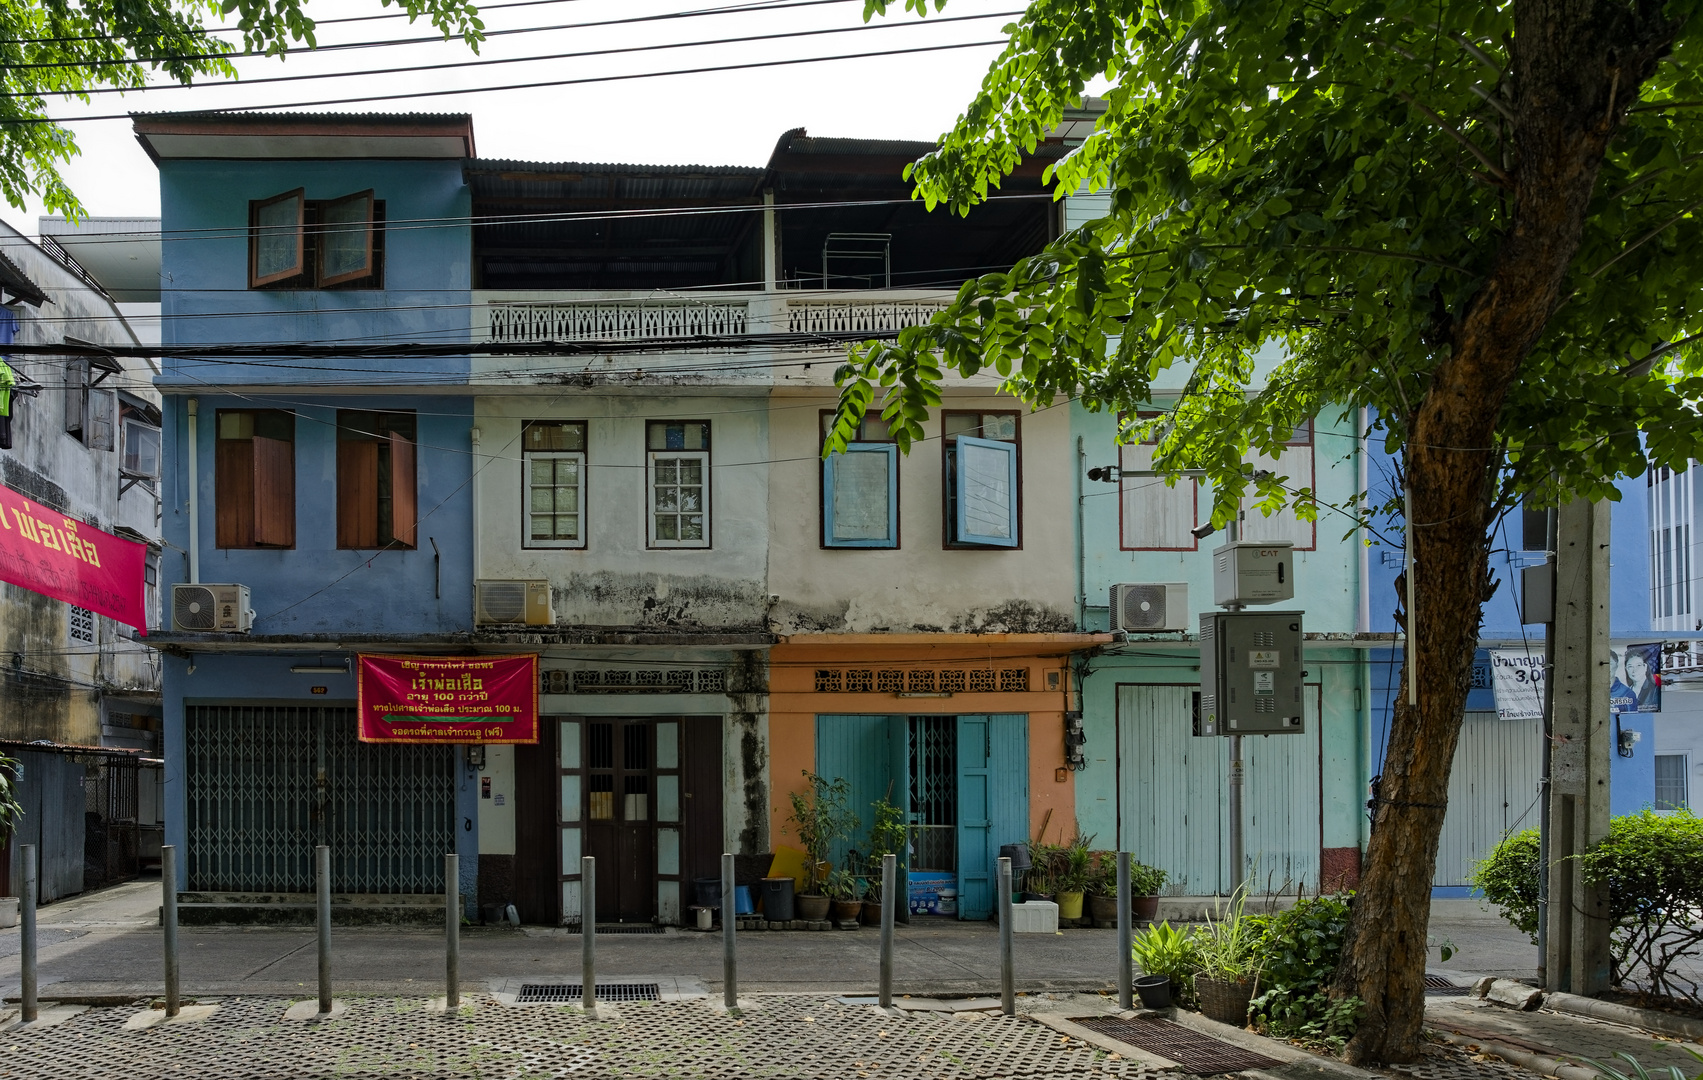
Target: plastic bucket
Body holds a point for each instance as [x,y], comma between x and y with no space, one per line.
[777,899]
[742,904]
[1154,991]
[708,890]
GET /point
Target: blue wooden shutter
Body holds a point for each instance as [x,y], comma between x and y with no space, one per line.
[856,747]
[860,496]
[985,482]
[975,854]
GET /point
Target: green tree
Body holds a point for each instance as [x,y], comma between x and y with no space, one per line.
[1474,218]
[55,49]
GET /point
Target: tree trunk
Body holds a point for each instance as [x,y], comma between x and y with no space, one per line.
[1576,66]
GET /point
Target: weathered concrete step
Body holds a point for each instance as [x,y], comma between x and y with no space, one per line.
[299,914]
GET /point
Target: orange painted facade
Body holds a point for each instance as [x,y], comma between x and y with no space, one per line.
[941,674]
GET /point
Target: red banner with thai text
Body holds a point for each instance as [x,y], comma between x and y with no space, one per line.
[47,552]
[448,699]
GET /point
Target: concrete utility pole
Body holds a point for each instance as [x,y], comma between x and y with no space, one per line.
[1576,933]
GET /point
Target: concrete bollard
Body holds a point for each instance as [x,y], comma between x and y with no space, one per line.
[889,886]
[1007,970]
[588,934]
[26,932]
[168,920]
[452,931]
[322,872]
[729,922]
[1126,958]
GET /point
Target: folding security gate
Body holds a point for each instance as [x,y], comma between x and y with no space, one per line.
[1493,791]
[268,783]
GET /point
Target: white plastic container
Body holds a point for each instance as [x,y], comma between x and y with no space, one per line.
[1034,917]
[8,912]
[948,902]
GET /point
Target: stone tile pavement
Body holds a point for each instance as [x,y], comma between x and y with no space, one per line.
[1559,1036]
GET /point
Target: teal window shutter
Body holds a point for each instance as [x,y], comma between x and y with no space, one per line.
[860,497]
[985,492]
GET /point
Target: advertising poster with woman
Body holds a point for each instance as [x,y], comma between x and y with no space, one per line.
[1636,684]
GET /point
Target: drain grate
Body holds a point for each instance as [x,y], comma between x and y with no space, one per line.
[1197,1053]
[1438,986]
[546,993]
[620,928]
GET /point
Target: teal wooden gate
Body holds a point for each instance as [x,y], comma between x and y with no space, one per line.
[872,753]
[993,802]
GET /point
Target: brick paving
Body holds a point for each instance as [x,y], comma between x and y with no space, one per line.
[782,1036]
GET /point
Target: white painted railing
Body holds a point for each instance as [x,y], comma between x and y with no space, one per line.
[618,320]
[858,316]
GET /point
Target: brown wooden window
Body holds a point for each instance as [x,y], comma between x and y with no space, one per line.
[299,243]
[254,479]
[377,486]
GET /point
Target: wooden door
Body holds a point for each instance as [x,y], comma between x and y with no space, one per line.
[620,819]
[537,871]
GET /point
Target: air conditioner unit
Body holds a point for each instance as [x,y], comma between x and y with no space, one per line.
[211,609]
[1147,607]
[524,602]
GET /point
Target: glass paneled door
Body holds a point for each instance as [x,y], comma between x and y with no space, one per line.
[620,815]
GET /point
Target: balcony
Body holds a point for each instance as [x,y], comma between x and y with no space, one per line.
[528,318]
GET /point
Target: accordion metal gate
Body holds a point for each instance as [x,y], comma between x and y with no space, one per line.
[266,783]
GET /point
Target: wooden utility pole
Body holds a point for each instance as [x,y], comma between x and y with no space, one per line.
[1576,939]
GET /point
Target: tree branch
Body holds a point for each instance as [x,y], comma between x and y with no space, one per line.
[1646,238]
[1472,147]
[1639,368]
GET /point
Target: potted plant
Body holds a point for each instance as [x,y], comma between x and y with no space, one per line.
[1144,885]
[1103,889]
[1075,874]
[1228,961]
[888,835]
[818,819]
[10,812]
[842,890]
[1162,952]
[1040,881]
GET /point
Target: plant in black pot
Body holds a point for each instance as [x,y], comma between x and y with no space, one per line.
[819,818]
[1164,953]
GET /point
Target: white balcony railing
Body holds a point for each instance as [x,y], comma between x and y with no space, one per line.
[605,318]
[860,316]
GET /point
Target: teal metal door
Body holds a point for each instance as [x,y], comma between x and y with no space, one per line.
[993,802]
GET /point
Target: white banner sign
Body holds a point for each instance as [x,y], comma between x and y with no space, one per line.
[1517,675]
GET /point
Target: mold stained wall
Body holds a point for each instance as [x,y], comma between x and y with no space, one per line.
[1632,780]
[425,298]
[55,689]
[616,580]
[1326,589]
[922,586]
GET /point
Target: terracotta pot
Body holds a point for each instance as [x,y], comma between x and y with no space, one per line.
[1103,910]
[847,910]
[1070,905]
[872,913]
[812,907]
[1223,1000]
[1144,908]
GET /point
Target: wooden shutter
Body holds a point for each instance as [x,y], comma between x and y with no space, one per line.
[345,249]
[404,491]
[233,493]
[357,493]
[276,247]
[274,492]
[986,485]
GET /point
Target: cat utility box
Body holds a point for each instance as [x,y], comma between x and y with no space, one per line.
[1253,572]
[1250,673]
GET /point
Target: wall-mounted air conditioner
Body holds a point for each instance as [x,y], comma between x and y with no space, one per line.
[211,609]
[496,603]
[1147,607]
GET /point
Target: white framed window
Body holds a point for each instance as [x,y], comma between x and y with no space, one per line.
[553,462]
[677,483]
[1296,463]
[860,489]
[982,482]
[1672,782]
[1152,515]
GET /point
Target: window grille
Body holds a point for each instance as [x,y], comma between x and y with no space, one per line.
[82,626]
[889,682]
[919,682]
[860,681]
[1014,680]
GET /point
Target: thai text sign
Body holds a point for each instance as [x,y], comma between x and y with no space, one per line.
[46,552]
[448,699]
[1517,675]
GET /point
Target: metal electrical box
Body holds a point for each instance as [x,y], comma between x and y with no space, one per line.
[1253,572]
[1250,673]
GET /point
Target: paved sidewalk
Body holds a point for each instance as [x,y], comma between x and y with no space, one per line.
[781,1036]
[1561,1037]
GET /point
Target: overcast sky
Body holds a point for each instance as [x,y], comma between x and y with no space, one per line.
[720,118]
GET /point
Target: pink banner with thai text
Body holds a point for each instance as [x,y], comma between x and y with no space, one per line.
[448,699]
[47,552]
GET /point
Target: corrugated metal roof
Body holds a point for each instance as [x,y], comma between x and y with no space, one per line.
[546,168]
[340,117]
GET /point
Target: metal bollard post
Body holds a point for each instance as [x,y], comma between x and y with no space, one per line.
[588,934]
[322,871]
[452,931]
[1126,961]
[26,931]
[889,885]
[1007,973]
[729,958]
[168,920]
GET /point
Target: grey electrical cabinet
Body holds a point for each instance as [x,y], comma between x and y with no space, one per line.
[1250,673]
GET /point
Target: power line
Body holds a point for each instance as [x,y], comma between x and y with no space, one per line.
[712,69]
[347,46]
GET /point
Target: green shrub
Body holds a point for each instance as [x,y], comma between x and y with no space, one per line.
[1652,865]
[1299,950]
[1160,950]
[1509,879]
